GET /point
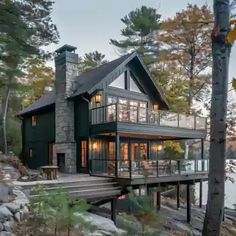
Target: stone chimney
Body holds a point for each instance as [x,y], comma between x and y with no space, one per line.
[66,63]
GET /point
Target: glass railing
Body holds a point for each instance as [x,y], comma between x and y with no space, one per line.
[147,168]
[133,114]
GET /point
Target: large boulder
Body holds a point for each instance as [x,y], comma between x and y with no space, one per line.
[102,225]
[5,214]
[4,192]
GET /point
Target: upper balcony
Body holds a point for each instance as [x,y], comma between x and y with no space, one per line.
[138,120]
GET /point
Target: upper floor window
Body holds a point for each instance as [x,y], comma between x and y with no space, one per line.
[119,82]
[133,85]
[34,121]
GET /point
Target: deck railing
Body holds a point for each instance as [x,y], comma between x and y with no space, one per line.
[133,114]
[148,168]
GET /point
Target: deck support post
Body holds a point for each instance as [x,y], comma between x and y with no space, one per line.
[159,197]
[200,193]
[188,204]
[178,195]
[117,154]
[113,210]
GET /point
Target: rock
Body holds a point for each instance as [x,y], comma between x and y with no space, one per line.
[8,225]
[4,192]
[12,206]
[18,216]
[1,227]
[102,224]
[5,213]
[5,233]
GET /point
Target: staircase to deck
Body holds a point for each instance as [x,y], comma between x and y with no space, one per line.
[85,186]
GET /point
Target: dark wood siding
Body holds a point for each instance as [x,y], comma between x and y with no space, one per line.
[38,138]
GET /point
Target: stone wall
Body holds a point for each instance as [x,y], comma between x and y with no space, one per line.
[66,72]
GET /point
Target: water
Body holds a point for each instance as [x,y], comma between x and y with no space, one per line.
[230,192]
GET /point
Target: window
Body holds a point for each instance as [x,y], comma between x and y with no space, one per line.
[133,85]
[142,112]
[133,111]
[30,152]
[112,153]
[34,120]
[84,153]
[119,82]
[111,110]
[123,110]
[124,151]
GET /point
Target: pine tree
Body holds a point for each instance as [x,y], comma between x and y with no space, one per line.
[91,60]
[25,26]
[140,28]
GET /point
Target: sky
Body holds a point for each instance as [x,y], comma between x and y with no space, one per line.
[90,24]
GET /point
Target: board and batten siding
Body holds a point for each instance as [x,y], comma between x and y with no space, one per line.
[38,139]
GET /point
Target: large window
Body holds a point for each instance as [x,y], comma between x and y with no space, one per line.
[142,112]
[111,110]
[124,151]
[84,153]
[133,85]
[123,109]
[133,106]
[119,82]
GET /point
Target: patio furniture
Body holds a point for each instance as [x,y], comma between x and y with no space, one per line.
[50,172]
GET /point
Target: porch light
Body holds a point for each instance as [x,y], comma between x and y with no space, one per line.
[98,98]
[155,107]
[157,148]
[94,146]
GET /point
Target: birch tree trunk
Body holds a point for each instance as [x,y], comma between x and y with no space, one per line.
[216,183]
[4,100]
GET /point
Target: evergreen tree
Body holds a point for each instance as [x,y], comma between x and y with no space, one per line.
[140,28]
[91,60]
[25,26]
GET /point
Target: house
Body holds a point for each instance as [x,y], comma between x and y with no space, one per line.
[110,121]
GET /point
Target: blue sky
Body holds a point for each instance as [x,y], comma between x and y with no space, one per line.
[90,24]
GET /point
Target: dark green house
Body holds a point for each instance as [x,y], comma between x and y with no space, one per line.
[109,121]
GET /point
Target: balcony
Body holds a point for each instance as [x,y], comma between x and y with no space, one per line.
[152,170]
[133,119]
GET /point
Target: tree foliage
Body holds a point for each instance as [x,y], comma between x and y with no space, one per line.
[140,27]
[25,27]
[91,60]
[39,79]
[186,53]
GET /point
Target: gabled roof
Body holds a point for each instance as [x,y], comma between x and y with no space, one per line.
[47,100]
[89,81]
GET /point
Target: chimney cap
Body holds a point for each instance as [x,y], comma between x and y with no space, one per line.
[65,48]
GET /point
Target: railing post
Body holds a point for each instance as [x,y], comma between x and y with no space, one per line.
[178,120]
[157,166]
[117,115]
[117,154]
[178,164]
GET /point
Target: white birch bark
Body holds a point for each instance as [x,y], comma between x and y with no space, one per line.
[221,54]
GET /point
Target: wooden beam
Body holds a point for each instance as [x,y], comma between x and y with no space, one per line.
[113,210]
[188,204]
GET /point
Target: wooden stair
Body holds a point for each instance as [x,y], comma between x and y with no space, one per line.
[88,187]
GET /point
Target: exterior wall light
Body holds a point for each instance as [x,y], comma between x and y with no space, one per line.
[94,146]
[155,107]
[98,98]
[157,148]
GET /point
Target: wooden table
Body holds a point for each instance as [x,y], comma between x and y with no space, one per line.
[50,172]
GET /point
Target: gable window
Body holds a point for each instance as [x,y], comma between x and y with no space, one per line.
[34,120]
[119,82]
[133,85]
[84,153]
